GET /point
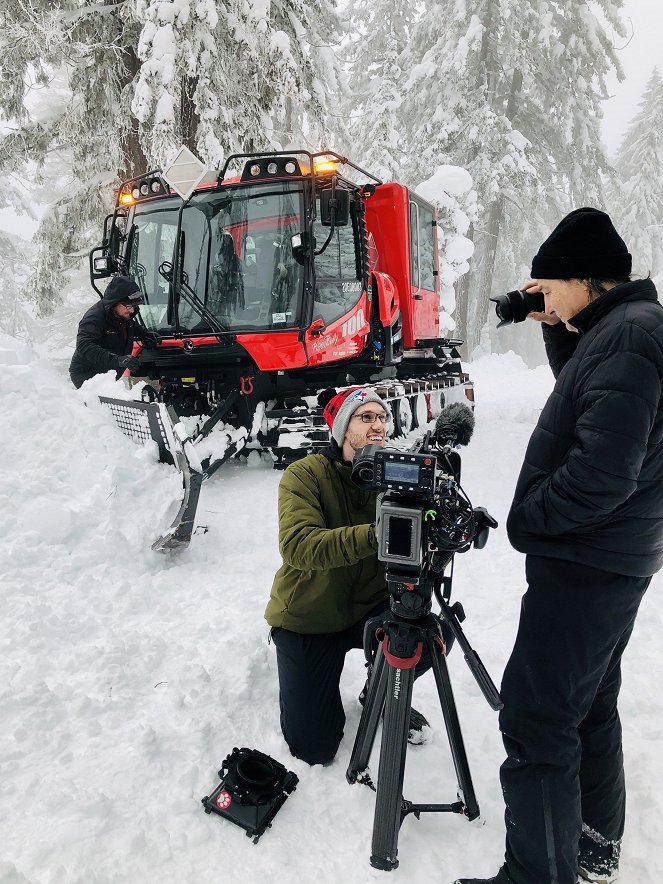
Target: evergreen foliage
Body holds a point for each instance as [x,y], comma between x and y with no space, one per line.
[83,124]
[512,91]
[638,196]
[380,34]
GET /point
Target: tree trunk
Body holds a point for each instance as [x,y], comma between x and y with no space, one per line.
[483,288]
[189,119]
[481,282]
[463,294]
[135,161]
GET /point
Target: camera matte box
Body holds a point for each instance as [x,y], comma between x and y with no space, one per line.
[252,790]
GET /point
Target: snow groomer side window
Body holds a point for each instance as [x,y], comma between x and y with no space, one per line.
[337,270]
[152,240]
[422,246]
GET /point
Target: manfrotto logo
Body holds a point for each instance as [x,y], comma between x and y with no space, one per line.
[397,684]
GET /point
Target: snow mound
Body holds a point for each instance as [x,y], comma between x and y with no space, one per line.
[82,482]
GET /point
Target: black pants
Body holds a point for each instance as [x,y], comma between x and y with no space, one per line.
[560,723]
[310,668]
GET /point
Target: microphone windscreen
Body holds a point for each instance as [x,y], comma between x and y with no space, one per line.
[455,424]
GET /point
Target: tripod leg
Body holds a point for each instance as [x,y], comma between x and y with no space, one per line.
[452,723]
[389,798]
[370,716]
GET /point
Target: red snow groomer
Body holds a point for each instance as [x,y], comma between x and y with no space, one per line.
[266,286]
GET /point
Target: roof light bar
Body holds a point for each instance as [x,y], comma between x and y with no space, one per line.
[271,167]
[140,189]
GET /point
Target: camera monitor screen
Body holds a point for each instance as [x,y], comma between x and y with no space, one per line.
[399,543]
[401,472]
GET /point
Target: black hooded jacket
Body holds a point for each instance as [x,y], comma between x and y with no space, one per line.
[591,487]
[102,338]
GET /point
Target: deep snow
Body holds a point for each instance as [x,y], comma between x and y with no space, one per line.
[128,675]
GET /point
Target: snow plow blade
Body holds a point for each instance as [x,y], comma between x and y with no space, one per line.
[153,421]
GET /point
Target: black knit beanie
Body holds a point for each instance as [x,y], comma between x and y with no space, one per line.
[584,245]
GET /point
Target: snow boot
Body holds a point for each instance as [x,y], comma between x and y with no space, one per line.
[598,858]
[419,732]
[584,877]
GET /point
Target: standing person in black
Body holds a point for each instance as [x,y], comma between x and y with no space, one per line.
[106,333]
[588,513]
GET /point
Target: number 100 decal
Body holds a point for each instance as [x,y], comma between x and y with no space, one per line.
[354,324]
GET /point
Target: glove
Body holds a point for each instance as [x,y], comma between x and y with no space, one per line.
[150,339]
[129,362]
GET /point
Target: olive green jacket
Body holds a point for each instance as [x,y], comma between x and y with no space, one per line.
[330,577]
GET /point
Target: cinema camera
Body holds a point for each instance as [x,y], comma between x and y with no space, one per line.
[423,516]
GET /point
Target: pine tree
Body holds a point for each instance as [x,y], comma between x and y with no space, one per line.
[15,317]
[381,30]
[512,91]
[86,127]
[637,202]
[233,78]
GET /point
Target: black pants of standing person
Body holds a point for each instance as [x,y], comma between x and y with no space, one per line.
[563,779]
[310,667]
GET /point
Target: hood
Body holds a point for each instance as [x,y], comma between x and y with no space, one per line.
[122,288]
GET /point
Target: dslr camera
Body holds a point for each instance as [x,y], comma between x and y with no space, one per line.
[516,306]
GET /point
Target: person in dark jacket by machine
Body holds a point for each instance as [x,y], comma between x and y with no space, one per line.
[588,513]
[107,331]
[331,581]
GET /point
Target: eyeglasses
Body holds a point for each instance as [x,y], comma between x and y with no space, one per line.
[369,417]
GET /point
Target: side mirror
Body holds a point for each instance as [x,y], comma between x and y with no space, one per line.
[335,207]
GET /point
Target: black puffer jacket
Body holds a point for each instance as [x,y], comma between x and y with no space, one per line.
[591,487]
[102,338]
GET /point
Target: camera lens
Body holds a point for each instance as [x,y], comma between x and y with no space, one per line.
[516,306]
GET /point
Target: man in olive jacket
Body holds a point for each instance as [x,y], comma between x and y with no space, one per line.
[107,331]
[588,513]
[331,581]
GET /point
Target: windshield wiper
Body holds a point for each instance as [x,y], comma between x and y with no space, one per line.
[184,290]
[194,301]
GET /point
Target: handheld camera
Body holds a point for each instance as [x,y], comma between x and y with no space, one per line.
[516,306]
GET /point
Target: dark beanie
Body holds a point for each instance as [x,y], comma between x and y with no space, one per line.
[123,288]
[584,245]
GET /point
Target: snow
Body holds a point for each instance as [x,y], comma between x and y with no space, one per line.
[453,180]
[127,676]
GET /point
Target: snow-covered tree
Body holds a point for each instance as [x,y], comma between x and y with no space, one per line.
[379,31]
[512,91]
[637,203]
[235,77]
[450,189]
[307,35]
[65,89]
[15,317]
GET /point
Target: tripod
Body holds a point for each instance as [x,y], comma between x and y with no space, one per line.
[402,635]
